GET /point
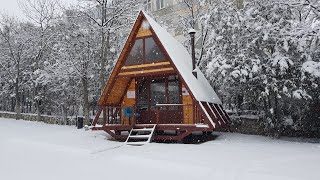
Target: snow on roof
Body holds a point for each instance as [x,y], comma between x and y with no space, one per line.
[191,31]
[200,87]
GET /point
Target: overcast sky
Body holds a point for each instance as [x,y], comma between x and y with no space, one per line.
[11,7]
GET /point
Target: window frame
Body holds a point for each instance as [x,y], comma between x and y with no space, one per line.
[148,82]
[144,61]
[128,54]
[162,4]
[148,5]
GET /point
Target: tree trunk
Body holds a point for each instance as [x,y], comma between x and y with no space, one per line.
[18,102]
[277,123]
[38,110]
[104,45]
[85,98]
[103,59]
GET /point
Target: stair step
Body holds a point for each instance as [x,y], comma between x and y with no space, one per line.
[139,136]
[137,143]
[140,139]
[144,129]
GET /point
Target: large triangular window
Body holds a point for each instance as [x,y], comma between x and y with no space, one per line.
[152,51]
[144,50]
[136,54]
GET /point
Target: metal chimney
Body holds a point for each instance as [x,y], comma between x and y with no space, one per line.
[192,33]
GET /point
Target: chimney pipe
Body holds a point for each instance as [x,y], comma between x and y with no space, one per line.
[192,33]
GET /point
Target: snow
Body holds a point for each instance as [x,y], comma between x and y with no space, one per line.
[299,94]
[37,151]
[192,31]
[200,87]
[288,121]
[283,62]
[312,67]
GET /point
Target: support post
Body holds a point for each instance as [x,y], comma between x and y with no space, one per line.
[97,117]
[158,114]
[108,115]
[104,120]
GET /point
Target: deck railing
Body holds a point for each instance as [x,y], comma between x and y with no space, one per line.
[180,114]
[187,113]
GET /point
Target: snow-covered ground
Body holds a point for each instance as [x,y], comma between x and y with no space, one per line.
[38,151]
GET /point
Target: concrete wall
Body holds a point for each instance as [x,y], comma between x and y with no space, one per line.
[255,125]
[44,118]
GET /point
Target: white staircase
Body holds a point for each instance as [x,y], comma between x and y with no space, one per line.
[139,136]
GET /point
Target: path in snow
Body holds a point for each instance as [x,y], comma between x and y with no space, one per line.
[38,151]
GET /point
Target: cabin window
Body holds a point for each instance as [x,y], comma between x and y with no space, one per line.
[153,53]
[136,54]
[144,50]
[173,92]
[143,101]
[158,92]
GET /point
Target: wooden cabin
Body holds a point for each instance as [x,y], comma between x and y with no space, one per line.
[153,84]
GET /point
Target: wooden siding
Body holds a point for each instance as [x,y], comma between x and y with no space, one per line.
[144,32]
[118,90]
[128,102]
[188,106]
[110,83]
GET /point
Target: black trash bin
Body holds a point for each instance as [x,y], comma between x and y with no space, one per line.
[80,122]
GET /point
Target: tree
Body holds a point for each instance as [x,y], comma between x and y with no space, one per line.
[111,17]
[42,13]
[14,41]
[257,52]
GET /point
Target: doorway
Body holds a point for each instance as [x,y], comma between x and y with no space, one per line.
[159,95]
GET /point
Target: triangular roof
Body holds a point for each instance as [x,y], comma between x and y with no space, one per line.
[181,59]
[200,87]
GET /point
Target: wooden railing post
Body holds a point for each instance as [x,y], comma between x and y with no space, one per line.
[104,120]
[108,115]
[97,117]
[158,111]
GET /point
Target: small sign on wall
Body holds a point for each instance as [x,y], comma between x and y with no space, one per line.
[131,94]
[185,92]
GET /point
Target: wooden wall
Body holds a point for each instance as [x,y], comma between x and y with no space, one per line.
[188,106]
[144,32]
[118,90]
[129,101]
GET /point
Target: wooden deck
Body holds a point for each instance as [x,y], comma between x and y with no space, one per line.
[177,131]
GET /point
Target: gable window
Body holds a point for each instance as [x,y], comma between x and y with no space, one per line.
[144,50]
[160,4]
[136,54]
[153,53]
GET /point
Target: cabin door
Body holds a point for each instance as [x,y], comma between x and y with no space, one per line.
[159,95]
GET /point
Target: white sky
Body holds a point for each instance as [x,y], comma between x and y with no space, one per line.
[11,7]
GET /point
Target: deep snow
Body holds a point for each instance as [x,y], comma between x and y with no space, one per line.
[38,151]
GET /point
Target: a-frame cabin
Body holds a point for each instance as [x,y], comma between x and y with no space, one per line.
[153,83]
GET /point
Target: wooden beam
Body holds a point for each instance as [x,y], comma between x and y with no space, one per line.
[146,65]
[222,113]
[146,71]
[123,54]
[97,117]
[207,115]
[104,120]
[147,68]
[214,108]
[225,113]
